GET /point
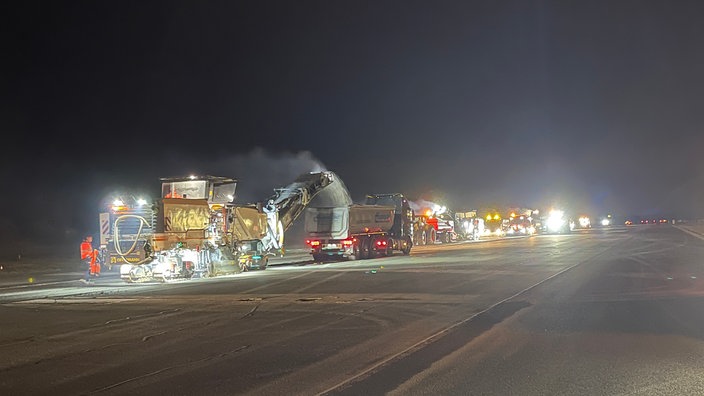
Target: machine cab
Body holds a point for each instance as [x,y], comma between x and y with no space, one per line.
[217,190]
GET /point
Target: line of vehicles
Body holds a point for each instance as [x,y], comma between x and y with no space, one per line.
[195,228]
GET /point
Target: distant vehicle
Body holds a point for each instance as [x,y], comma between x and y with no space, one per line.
[558,223]
[423,232]
[628,222]
[520,225]
[444,224]
[649,221]
[654,221]
[583,222]
[494,225]
[467,225]
[447,225]
[605,221]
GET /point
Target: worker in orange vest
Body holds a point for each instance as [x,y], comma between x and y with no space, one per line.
[89,256]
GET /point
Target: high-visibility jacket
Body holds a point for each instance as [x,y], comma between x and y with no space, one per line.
[86,250]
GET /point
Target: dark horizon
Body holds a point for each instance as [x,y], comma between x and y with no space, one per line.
[592,106]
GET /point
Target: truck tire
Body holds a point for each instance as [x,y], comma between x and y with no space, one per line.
[365,249]
[389,247]
[318,258]
[355,253]
[371,250]
[406,250]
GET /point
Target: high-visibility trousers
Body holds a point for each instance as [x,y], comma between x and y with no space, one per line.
[94,263]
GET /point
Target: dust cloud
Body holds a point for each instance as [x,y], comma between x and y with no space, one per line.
[260,172]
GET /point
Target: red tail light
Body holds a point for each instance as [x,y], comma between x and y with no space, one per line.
[347,242]
[315,243]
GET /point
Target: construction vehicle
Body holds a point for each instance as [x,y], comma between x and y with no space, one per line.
[444,224]
[557,222]
[380,226]
[494,223]
[475,228]
[521,222]
[196,230]
[443,220]
[467,225]
[423,232]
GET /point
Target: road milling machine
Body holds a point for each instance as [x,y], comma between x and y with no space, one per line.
[196,230]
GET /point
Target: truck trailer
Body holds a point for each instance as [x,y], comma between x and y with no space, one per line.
[380,226]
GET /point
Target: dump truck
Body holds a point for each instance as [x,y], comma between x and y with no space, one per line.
[379,227]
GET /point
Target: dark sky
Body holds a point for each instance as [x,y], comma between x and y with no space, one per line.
[593,105]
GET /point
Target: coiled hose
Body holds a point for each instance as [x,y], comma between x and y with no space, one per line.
[116,233]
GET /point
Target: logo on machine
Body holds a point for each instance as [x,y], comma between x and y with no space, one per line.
[120,260]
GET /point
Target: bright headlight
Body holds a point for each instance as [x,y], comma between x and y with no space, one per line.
[555,220]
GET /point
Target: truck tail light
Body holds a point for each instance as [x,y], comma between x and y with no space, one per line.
[314,243]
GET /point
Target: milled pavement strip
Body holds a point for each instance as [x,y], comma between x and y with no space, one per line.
[446,330]
[692,233]
[24,286]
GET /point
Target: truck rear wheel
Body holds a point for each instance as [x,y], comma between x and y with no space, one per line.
[371,248]
[364,249]
[355,252]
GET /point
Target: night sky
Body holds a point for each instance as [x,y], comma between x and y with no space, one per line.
[596,106]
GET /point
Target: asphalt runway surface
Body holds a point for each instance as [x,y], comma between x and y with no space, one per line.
[602,311]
